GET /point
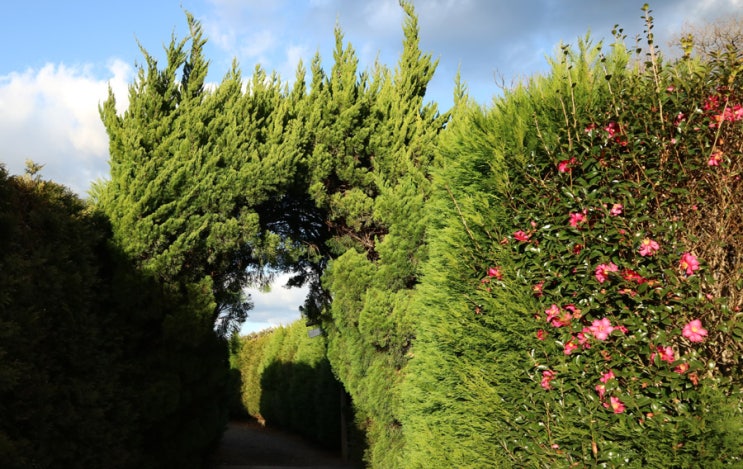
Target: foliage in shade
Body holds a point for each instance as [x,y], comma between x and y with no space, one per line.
[287,383]
[100,367]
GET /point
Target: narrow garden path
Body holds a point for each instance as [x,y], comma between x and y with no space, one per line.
[247,445]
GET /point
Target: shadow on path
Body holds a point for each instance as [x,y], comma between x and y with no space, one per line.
[247,445]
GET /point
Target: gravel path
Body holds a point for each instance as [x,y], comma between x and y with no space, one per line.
[247,445]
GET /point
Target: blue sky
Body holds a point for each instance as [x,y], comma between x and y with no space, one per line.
[59,57]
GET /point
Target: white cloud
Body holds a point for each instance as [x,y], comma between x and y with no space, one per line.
[50,115]
[278,307]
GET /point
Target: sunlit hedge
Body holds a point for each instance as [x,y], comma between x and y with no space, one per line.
[582,302]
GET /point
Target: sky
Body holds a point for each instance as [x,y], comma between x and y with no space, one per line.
[59,58]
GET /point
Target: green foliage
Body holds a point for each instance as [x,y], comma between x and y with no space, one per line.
[288,383]
[557,332]
[56,348]
[100,367]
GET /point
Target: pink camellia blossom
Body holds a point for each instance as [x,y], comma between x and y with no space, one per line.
[495,272]
[666,354]
[632,276]
[648,247]
[616,405]
[737,112]
[601,328]
[616,209]
[601,390]
[573,310]
[537,288]
[621,328]
[602,271]
[570,346]
[715,158]
[712,102]
[606,377]
[541,335]
[680,117]
[689,263]
[547,377]
[552,312]
[521,236]
[590,128]
[681,368]
[694,331]
[566,166]
[577,218]
[583,338]
[563,320]
[612,128]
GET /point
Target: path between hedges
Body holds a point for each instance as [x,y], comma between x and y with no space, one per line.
[247,445]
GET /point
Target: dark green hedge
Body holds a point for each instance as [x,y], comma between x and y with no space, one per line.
[94,369]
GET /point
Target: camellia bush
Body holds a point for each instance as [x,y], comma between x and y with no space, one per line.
[590,230]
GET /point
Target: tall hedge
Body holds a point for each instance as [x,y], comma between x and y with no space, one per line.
[577,312]
[92,374]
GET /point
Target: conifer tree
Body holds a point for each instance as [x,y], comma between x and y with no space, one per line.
[375,197]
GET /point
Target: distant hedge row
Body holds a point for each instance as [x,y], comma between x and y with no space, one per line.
[287,383]
[94,370]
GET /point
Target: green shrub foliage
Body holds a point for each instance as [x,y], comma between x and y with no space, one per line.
[288,383]
[554,280]
[583,293]
[94,370]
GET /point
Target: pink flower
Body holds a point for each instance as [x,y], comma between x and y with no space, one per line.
[566,166]
[615,404]
[576,218]
[682,368]
[689,263]
[694,331]
[552,312]
[715,158]
[569,347]
[666,354]
[541,335]
[601,328]
[583,338]
[590,128]
[536,289]
[521,236]
[601,390]
[616,209]
[602,271]
[612,128]
[575,311]
[495,272]
[606,377]
[632,276]
[713,102]
[737,112]
[547,377]
[648,247]
[557,317]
